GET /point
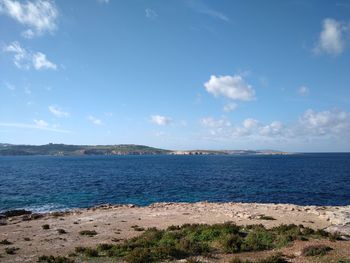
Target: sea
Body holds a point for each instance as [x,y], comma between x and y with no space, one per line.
[51,183]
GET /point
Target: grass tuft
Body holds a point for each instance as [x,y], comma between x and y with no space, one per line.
[46,226]
[316,250]
[53,259]
[89,233]
[5,242]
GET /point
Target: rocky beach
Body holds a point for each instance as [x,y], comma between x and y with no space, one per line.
[26,236]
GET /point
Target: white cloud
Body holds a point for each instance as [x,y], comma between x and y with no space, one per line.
[230,107]
[202,8]
[331,38]
[150,13]
[160,120]
[28,34]
[95,120]
[9,86]
[214,123]
[39,16]
[250,123]
[25,59]
[21,57]
[232,87]
[103,1]
[275,128]
[38,124]
[27,90]
[303,91]
[311,125]
[41,62]
[58,112]
[41,123]
[324,123]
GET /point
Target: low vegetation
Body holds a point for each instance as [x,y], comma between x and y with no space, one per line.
[191,240]
[137,228]
[89,233]
[61,231]
[316,250]
[11,250]
[53,259]
[277,258]
[5,242]
[264,217]
[46,226]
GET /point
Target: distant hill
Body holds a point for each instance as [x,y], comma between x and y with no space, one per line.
[64,149]
[120,149]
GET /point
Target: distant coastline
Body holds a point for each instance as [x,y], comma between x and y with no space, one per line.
[120,149]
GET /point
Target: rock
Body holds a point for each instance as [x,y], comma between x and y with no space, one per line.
[12,213]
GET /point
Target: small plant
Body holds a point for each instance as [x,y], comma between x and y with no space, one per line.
[5,242]
[11,250]
[46,226]
[277,258]
[61,231]
[137,228]
[193,260]
[87,251]
[104,247]
[26,239]
[89,233]
[139,255]
[264,217]
[334,236]
[53,259]
[316,250]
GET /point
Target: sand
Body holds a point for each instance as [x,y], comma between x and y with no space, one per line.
[113,223]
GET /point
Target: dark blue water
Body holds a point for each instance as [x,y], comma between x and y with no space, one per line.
[51,183]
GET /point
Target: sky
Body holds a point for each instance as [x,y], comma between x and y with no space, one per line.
[177,74]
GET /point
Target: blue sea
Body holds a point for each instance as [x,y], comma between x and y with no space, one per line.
[47,183]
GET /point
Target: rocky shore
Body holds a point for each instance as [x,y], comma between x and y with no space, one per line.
[30,235]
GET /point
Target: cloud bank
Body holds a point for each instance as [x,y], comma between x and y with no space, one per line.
[231,87]
[38,16]
[26,59]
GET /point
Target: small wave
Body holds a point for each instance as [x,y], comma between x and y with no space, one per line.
[46,208]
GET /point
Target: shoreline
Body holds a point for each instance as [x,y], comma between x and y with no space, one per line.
[115,222]
[41,210]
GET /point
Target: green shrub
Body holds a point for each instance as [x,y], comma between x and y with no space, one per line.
[5,242]
[316,250]
[193,260]
[260,239]
[61,231]
[87,251]
[277,258]
[89,233]
[231,243]
[46,226]
[104,247]
[53,259]
[191,240]
[11,250]
[264,217]
[139,255]
[238,260]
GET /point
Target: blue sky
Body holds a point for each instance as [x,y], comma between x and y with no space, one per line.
[176,74]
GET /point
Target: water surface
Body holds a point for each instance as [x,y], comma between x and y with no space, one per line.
[50,182]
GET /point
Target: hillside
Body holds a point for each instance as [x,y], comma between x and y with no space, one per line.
[64,149]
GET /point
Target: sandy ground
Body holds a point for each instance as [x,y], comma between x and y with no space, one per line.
[113,223]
